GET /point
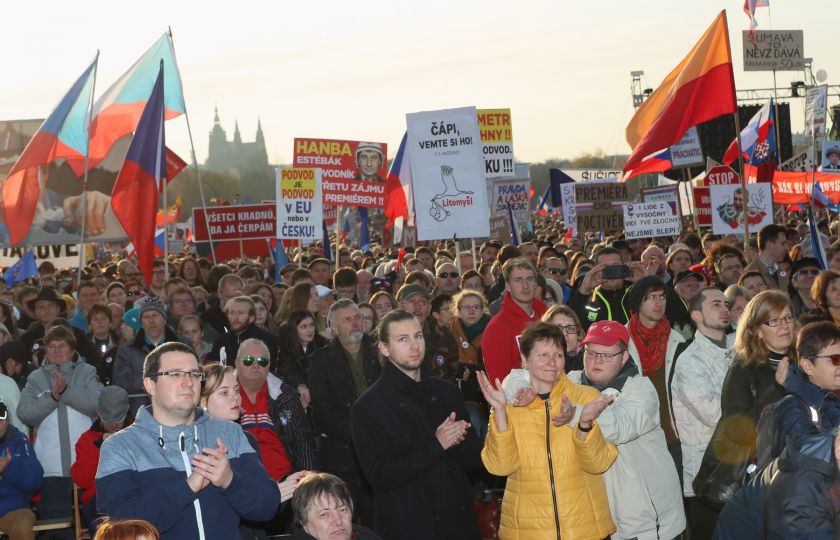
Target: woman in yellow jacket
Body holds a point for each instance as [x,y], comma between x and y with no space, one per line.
[554,487]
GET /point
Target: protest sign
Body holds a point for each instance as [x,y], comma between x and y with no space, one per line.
[816,99]
[831,157]
[594,175]
[515,193]
[61,255]
[668,194]
[651,220]
[249,221]
[500,228]
[774,50]
[353,173]
[687,152]
[730,207]
[447,170]
[599,206]
[496,142]
[801,162]
[299,207]
[703,206]
[567,194]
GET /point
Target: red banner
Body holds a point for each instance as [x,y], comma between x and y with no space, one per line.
[245,222]
[795,187]
[353,172]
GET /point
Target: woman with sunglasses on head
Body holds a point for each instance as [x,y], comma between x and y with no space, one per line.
[802,276]
[221,398]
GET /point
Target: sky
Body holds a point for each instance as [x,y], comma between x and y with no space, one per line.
[352,70]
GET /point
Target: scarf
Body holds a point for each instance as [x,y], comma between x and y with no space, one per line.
[775,358]
[472,331]
[650,342]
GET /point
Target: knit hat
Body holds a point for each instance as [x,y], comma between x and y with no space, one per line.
[15,350]
[151,303]
[132,318]
[113,404]
[638,291]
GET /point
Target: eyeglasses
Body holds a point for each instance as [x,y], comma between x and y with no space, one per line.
[833,358]
[471,309]
[416,303]
[569,329]
[193,376]
[556,271]
[600,355]
[183,301]
[133,293]
[787,319]
[261,360]
[448,275]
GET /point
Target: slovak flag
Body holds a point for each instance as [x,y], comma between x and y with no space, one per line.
[141,178]
[657,162]
[62,135]
[758,139]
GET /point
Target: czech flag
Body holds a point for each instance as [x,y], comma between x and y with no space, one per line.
[820,199]
[117,111]
[758,138]
[399,199]
[700,88]
[654,163]
[62,135]
[135,195]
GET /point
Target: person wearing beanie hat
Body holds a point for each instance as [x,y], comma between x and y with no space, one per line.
[653,344]
[153,331]
[802,275]
[112,414]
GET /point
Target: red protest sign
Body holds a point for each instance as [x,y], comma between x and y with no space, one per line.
[703,204]
[353,172]
[245,222]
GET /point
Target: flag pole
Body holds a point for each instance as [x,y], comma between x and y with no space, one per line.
[82,254]
[747,253]
[195,161]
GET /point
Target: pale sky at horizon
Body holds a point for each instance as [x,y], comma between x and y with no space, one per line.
[347,70]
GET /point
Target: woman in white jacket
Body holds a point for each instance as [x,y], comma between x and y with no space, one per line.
[642,485]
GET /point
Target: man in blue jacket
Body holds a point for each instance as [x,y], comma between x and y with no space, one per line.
[21,476]
[190,475]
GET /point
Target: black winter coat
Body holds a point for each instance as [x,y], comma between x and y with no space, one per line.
[421,491]
[293,361]
[231,341]
[746,392]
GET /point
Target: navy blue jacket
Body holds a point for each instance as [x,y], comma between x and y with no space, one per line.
[24,475]
[795,417]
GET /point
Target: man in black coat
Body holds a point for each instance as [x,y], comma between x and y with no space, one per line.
[338,374]
[414,443]
[241,314]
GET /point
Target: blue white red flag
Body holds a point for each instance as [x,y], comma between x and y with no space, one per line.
[657,162]
[816,243]
[758,138]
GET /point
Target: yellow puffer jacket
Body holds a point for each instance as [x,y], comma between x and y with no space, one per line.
[520,454]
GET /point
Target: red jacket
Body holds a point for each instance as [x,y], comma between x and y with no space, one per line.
[83,470]
[498,344]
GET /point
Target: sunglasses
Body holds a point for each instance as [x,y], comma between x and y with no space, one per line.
[261,360]
[556,271]
[834,358]
[448,275]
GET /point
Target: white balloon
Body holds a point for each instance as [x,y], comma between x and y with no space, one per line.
[821,75]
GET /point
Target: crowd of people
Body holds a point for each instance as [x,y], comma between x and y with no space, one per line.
[606,387]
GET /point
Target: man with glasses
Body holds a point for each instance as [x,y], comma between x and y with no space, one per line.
[556,269]
[189,475]
[344,283]
[128,363]
[159,277]
[695,389]
[441,354]
[338,374]
[802,275]
[446,279]
[272,412]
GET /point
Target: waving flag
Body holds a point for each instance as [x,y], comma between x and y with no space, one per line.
[816,243]
[364,231]
[172,213]
[758,138]
[820,199]
[399,201]
[515,238]
[700,88]
[749,9]
[62,135]
[117,111]
[24,269]
[135,195]
[657,162]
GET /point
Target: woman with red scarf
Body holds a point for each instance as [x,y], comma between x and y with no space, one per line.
[653,345]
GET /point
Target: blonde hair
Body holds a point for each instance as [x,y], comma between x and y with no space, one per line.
[214,374]
[749,347]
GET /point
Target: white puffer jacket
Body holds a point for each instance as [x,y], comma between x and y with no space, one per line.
[696,390]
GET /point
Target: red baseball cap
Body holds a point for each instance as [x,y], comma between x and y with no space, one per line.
[607,333]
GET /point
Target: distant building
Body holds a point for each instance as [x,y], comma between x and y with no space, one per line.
[236,157]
